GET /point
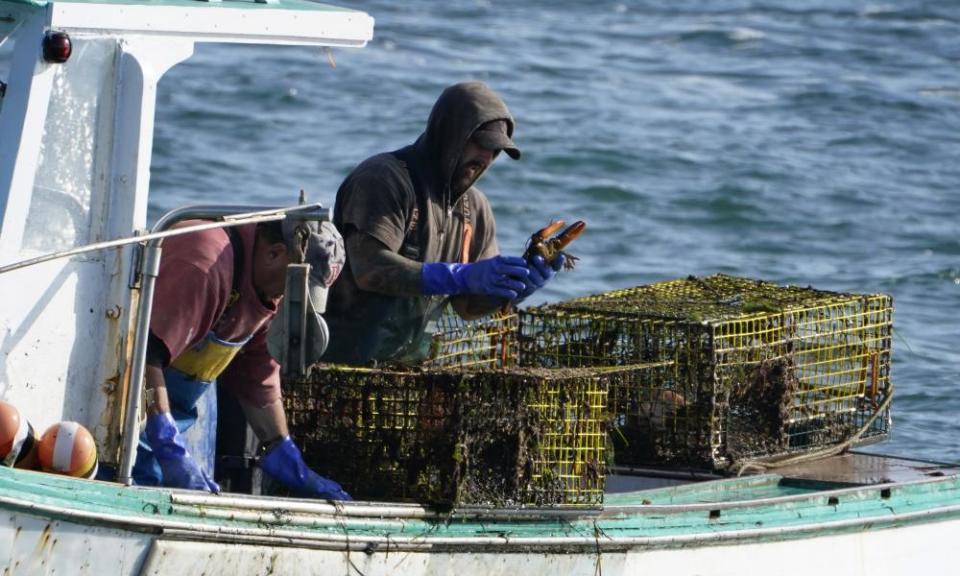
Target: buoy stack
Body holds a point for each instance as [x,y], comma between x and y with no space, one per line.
[65,448]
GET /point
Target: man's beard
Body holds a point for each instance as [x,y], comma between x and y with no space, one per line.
[461,181]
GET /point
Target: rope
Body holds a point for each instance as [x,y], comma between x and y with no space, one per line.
[743,466]
[227,221]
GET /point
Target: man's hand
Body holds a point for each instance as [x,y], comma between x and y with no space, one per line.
[282,459]
[179,469]
[540,274]
[500,276]
[284,462]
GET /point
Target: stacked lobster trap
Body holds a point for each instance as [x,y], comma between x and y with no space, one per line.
[468,428]
[735,369]
[528,410]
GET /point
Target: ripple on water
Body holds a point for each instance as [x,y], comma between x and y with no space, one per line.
[802,142]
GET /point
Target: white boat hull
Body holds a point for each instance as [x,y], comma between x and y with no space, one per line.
[34,545]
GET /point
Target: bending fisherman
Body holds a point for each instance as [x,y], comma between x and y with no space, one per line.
[216,294]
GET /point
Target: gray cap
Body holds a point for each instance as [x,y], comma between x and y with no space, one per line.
[493,136]
[324,249]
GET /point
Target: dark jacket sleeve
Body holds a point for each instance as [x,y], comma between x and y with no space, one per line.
[376,200]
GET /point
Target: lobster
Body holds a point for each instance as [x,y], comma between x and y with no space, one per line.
[550,248]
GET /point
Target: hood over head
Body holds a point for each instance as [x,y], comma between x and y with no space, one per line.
[457,114]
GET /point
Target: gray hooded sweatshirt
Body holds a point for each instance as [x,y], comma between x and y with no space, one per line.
[404,199]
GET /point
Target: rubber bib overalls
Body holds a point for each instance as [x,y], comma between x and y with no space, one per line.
[191,388]
[390,328]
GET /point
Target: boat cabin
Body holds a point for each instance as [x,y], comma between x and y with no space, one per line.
[76,135]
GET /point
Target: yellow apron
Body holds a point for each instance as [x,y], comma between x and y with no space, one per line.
[207,359]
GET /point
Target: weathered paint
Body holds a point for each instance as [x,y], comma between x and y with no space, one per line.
[370,526]
[64,355]
[35,545]
[42,547]
[65,339]
[738,526]
[894,552]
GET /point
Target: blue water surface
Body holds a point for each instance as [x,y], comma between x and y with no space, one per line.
[813,142]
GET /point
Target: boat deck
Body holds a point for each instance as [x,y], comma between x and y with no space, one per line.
[857,468]
[640,486]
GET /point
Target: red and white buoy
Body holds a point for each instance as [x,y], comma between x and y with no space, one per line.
[68,448]
[18,440]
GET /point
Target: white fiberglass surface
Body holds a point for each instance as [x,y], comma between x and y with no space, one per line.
[67,182]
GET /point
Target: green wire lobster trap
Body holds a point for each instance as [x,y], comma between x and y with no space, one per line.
[455,437]
[738,369]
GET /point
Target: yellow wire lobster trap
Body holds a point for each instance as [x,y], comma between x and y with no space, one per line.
[454,437]
[466,428]
[738,369]
[489,342]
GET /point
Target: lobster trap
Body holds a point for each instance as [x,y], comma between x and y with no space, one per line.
[739,369]
[489,342]
[454,437]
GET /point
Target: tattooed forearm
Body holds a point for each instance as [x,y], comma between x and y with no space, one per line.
[376,269]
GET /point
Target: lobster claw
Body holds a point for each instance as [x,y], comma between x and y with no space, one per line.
[547,231]
[570,234]
[550,248]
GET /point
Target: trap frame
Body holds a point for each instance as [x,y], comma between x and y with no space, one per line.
[453,437]
[489,342]
[747,369]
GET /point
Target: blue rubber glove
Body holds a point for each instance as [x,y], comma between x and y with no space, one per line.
[540,274]
[179,469]
[500,276]
[285,463]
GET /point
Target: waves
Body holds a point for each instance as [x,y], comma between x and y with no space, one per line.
[812,143]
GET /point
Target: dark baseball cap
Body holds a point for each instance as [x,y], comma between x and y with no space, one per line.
[493,136]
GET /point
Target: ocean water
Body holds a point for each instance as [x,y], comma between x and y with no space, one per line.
[814,143]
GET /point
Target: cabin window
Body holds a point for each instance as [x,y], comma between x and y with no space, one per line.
[71,185]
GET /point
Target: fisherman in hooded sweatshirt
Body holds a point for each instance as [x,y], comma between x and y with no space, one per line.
[419,234]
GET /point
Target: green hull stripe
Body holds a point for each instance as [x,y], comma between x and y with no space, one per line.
[702,512]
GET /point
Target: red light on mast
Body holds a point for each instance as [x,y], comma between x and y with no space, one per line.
[56,47]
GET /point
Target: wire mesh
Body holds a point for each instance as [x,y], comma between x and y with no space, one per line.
[747,368]
[489,342]
[455,437]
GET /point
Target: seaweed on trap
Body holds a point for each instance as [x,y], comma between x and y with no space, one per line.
[740,368]
[697,373]
[454,437]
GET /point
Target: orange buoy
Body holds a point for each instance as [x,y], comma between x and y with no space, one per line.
[68,448]
[18,440]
